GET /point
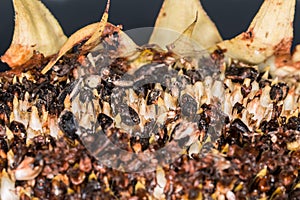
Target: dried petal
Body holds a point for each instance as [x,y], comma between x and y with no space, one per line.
[74,39]
[36,29]
[91,32]
[177,16]
[95,38]
[271,32]
[77,37]
[126,45]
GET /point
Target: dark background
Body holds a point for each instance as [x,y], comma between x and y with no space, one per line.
[230,16]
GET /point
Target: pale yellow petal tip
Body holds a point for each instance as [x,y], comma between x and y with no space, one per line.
[177,16]
[38,32]
[185,44]
[270,33]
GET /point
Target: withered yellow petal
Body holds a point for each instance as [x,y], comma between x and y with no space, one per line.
[85,33]
[92,33]
[36,29]
[177,16]
[95,38]
[74,39]
[271,32]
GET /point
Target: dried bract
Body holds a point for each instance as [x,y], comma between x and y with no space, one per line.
[36,29]
[175,17]
[270,33]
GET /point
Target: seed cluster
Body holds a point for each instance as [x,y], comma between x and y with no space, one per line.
[235,132]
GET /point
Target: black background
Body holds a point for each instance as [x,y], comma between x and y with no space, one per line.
[230,16]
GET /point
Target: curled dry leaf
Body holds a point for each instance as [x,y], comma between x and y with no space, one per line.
[95,38]
[76,38]
[176,16]
[270,33]
[36,29]
[126,44]
[92,33]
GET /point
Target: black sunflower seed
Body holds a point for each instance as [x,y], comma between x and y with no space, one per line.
[104,121]
[293,123]
[18,129]
[279,91]
[3,145]
[238,126]
[68,125]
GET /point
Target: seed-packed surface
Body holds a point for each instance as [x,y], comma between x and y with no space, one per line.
[187,124]
[250,157]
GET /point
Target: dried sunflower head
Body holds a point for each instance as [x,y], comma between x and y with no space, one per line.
[193,116]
